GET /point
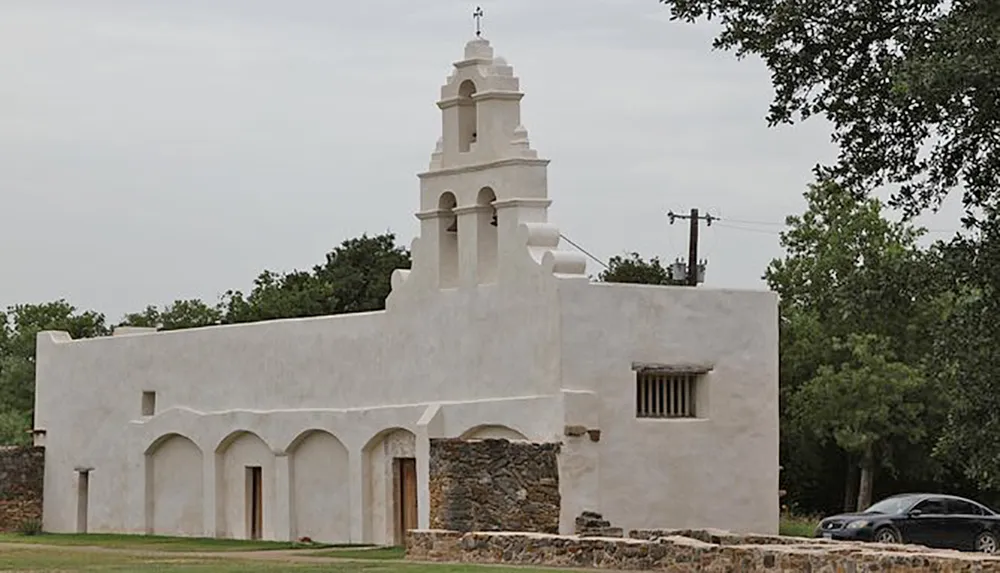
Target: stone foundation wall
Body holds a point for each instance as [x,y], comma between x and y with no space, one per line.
[494,485]
[683,554]
[22,470]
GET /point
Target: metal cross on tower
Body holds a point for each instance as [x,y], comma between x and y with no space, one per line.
[478,15]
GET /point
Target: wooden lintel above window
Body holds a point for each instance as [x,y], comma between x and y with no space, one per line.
[659,368]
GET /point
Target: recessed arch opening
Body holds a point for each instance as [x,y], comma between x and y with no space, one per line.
[493,432]
[448,240]
[390,486]
[487,236]
[174,486]
[245,491]
[319,487]
[467,116]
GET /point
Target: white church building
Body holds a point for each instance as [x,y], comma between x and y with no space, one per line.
[664,399]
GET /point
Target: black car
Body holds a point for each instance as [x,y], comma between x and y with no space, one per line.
[933,520]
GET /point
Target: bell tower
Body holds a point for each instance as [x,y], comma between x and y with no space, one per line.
[484,180]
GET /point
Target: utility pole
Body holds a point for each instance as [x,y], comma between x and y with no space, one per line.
[692,262]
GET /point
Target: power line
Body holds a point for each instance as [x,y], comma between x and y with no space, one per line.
[747,229]
[748,222]
[584,251]
[728,224]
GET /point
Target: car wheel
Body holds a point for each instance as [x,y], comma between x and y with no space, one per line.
[886,535]
[986,542]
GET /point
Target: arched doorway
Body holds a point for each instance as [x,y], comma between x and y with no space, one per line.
[391,486]
[245,487]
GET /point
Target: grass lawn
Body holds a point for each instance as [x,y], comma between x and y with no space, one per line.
[65,553]
[378,553]
[31,558]
[154,542]
[797,526]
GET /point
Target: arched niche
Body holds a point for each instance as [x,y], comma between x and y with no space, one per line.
[174,487]
[493,432]
[486,236]
[448,240]
[390,486]
[245,486]
[467,116]
[320,484]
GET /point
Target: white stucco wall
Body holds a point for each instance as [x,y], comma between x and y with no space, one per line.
[321,488]
[176,490]
[718,470]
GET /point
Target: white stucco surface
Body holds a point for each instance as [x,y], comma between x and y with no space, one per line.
[496,331]
[321,483]
[176,490]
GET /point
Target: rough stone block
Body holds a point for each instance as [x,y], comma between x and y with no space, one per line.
[682,554]
[494,485]
[22,473]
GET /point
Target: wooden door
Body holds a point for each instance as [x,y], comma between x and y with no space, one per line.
[406,512]
[255,502]
[82,500]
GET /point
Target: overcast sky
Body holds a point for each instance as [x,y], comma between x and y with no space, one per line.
[152,150]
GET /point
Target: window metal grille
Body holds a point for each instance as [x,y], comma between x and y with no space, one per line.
[660,395]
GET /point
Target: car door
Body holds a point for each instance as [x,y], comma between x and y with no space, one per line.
[962,524]
[926,523]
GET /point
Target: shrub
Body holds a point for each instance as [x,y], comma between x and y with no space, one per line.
[30,527]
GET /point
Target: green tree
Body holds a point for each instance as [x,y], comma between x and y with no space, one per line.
[356,277]
[866,406]
[967,354]
[292,295]
[191,313]
[15,427]
[847,271]
[910,88]
[632,268]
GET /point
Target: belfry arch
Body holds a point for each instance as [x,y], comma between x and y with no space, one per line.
[467,116]
[486,236]
[448,240]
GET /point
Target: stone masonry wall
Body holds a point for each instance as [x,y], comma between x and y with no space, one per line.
[682,554]
[21,475]
[494,485]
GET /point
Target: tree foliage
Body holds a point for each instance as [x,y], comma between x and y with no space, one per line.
[190,313]
[850,278]
[355,277]
[967,354]
[632,268]
[848,269]
[910,87]
[866,405]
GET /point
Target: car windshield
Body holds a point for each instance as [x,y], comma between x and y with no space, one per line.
[891,505]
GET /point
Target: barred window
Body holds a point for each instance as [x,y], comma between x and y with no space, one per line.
[666,395]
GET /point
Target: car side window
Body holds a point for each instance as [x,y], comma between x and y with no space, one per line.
[932,507]
[960,507]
